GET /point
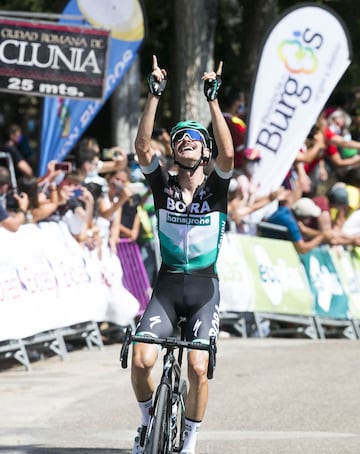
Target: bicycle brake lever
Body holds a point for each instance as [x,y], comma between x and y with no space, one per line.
[124,352]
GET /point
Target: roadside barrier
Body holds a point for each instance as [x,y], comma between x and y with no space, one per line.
[52,289]
[269,279]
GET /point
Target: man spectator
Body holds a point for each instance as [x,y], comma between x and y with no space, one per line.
[344,200]
[9,221]
[233,107]
[22,166]
[289,229]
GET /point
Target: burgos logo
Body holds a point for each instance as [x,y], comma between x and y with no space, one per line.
[297,55]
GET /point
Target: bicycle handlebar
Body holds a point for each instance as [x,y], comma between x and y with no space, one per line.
[170,343]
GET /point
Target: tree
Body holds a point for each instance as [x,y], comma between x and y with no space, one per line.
[190,36]
[193,54]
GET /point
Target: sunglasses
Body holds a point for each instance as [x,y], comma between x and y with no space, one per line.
[192,134]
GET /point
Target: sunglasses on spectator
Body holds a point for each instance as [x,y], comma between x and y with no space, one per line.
[192,134]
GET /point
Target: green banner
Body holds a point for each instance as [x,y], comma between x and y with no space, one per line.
[331,300]
[344,266]
[280,282]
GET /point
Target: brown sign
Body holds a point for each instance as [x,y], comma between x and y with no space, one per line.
[44,59]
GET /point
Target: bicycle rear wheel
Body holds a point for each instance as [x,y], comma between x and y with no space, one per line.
[159,436]
[179,425]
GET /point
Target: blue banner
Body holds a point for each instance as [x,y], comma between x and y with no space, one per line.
[65,120]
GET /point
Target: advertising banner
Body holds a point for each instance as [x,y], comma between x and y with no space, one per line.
[65,120]
[331,300]
[46,59]
[265,275]
[48,281]
[303,57]
[344,267]
[237,286]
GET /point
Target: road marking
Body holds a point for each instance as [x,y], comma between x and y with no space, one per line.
[269,435]
[233,435]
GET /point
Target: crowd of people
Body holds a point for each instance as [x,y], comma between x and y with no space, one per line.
[319,199]
[102,195]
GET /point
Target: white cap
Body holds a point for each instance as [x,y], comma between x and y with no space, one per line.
[306,207]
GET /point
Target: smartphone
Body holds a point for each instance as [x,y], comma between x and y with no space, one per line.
[107,153]
[77,193]
[64,166]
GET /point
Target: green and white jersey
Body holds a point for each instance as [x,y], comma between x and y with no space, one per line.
[190,236]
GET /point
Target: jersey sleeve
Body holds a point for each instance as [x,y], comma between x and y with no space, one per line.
[3,214]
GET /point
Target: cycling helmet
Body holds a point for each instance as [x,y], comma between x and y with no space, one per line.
[190,124]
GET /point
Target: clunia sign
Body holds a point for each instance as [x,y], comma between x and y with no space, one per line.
[46,59]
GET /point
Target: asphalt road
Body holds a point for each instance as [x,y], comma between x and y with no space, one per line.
[269,396]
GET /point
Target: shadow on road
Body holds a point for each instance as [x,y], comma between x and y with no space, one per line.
[34,449]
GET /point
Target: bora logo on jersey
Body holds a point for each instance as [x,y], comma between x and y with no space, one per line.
[180,207]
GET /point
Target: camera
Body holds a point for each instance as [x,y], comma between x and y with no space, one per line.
[77,193]
[64,166]
[110,153]
[11,202]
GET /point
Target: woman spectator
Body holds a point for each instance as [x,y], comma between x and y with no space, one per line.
[41,205]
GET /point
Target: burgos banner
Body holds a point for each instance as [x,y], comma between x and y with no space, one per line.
[49,59]
[64,120]
[304,55]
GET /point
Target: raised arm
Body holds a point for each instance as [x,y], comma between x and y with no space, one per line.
[157,82]
[222,136]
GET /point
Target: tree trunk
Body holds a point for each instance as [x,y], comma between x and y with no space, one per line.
[125,102]
[194,23]
[257,18]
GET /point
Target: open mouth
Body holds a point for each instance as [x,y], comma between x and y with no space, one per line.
[186,148]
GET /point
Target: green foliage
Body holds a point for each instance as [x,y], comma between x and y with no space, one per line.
[44,6]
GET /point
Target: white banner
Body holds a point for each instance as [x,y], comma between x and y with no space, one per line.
[304,56]
[237,287]
[48,281]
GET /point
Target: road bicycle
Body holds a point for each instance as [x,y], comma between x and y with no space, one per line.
[165,431]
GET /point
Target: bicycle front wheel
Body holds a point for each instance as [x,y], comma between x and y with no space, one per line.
[179,424]
[159,438]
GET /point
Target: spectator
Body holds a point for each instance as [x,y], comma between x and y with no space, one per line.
[9,221]
[123,305]
[233,107]
[40,206]
[160,142]
[242,195]
[76,205]
[343,200]
[290,230]
[129,221]
[109,160]
[334,142]
[11,146]
[313,215]
[311,157]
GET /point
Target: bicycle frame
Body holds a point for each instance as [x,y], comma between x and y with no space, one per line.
[170,379]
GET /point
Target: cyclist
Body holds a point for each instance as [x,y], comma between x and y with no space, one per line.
[191,208]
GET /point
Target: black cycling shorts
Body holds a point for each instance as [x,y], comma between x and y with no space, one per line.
[178,295]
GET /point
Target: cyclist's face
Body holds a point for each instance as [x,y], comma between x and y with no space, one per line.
[188,148]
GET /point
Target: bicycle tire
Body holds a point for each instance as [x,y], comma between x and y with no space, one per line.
[178,436]
[158,438]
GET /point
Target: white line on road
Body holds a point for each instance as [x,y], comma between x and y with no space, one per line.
[231,435]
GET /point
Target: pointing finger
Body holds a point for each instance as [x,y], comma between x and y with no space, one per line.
[219,70]
[155,63]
